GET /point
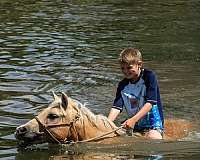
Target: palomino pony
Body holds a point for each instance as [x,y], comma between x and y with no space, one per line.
[66,120]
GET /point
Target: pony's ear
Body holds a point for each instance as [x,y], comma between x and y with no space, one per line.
[64,100]
[55,96]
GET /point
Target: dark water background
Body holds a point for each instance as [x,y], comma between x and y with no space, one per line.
[73,45]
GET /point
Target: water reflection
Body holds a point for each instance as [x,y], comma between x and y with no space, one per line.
[91,156]
[122,151]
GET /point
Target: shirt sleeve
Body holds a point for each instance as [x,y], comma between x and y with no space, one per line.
[118,101]
[151,88]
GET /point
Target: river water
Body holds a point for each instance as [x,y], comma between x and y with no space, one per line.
[72,46]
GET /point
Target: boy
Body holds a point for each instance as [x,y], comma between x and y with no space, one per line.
[139,94]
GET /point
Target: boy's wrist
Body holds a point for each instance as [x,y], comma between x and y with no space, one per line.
[134,119]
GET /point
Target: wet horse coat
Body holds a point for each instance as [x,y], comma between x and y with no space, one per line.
[67,120]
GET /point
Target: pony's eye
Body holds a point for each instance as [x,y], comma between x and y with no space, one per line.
[52,116]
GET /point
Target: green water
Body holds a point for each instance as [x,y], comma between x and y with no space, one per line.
[72,46]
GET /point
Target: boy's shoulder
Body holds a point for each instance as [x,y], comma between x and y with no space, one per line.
[147,73]
[124,81]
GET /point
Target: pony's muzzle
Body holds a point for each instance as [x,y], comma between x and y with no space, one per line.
[23,132]
[20,131]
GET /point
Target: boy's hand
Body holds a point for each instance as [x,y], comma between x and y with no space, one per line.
[129,123]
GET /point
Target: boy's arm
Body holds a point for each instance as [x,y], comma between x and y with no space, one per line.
[129,123]
[113,114]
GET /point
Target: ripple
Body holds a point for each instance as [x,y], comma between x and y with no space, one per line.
[19,86]
[15,106]
[73,47]
[17,75]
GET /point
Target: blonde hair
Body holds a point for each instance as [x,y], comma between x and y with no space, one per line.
[130,56]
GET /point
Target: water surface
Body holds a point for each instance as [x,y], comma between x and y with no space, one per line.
[72,46]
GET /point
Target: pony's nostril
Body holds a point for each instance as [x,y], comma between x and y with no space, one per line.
[21,130]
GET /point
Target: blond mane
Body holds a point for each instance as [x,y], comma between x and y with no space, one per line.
[94,119]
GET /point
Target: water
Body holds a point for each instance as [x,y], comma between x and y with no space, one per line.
[72,46]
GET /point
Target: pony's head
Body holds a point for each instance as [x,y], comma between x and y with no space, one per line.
[54,124]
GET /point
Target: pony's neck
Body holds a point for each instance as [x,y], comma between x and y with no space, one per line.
[92,125]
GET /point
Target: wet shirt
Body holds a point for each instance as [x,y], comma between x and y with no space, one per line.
[133,95]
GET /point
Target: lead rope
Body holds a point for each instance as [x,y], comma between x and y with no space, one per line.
[97,137]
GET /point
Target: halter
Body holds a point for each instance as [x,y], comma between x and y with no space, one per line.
[47,127]
[70,125]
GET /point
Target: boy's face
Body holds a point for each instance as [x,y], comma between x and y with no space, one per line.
[131,71]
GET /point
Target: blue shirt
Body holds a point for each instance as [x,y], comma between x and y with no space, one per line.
[133,95]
